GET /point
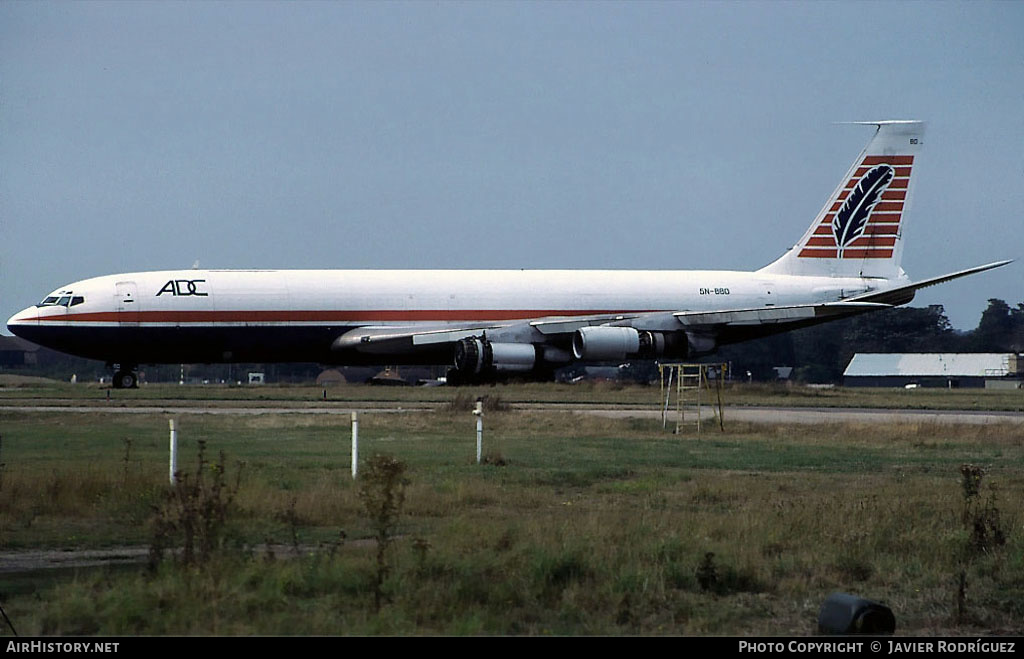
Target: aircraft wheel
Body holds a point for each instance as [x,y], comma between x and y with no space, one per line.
[126,380]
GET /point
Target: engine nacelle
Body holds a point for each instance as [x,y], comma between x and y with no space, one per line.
[618,343]
[477,355]
[605,343]
[513,357]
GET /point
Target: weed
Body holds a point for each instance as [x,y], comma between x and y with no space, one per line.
[982,522]
[291,518]
[422,547]
[466,402]
[126,459]
[462,402]
[8,621]
[981,518]
[555,572]
[382,491]
[496,458]
[707,573]
[194,512]
[496,404]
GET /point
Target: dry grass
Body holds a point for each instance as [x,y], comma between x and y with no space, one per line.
[591,526]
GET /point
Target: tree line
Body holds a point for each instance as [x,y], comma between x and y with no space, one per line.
[821,353]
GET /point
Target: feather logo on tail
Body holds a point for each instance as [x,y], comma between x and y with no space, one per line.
[851,220]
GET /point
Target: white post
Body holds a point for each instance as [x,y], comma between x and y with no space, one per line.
[479,413]
[174,450]
[355,444]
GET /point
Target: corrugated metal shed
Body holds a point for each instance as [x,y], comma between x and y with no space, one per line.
[932,365]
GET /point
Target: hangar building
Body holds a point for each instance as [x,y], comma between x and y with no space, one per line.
[990,370]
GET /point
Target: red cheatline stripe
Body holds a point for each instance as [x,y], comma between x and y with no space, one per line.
[888,160]
[384,315]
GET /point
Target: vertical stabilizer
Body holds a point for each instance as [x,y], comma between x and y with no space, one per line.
[859,231]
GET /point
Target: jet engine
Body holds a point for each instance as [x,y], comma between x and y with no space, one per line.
[476,355]
[606,344]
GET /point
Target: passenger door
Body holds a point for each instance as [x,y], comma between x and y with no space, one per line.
[127,303]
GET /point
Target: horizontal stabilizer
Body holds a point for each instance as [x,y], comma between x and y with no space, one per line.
[904,294]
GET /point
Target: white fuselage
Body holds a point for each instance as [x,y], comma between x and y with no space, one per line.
[390,297]
[297,315]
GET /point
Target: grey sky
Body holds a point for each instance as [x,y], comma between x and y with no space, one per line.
[144,136]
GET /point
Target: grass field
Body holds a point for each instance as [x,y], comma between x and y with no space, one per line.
[576,524]
[16,390]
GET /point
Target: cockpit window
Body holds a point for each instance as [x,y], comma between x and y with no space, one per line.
[62,299]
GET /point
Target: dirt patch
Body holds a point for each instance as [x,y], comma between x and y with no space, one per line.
[13,562]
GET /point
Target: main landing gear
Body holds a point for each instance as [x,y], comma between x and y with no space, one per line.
[125,376]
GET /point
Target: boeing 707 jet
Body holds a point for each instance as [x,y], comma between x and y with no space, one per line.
[489,324]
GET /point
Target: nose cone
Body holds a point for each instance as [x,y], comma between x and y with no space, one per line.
[19,322]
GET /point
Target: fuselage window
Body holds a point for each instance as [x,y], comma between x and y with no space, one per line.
[48,301]
[64,301]
[78,299]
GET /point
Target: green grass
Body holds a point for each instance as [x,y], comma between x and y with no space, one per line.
[14,391]
[592,526]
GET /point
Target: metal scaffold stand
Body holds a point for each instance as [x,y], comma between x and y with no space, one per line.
[687,381]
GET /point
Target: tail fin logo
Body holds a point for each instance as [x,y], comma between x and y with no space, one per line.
[863,220]
[851,219]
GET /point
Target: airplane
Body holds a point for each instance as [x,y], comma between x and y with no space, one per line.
[493,324]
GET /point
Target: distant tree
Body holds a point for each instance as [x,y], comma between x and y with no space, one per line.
[905,329]
[818,352]
[1017,337]
[996,329]
[758,356]
[823,352]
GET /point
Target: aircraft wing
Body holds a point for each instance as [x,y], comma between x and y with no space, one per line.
[904,294]
[558,332]
[390,339]
[385,339]
[775,315]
